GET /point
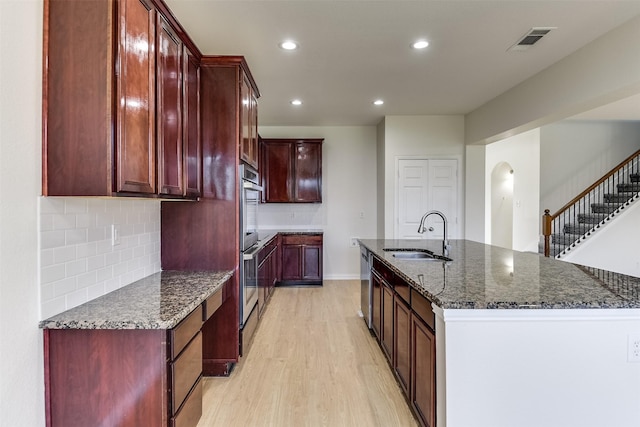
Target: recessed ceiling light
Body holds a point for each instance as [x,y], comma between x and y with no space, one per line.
[289,45]
[378,102]
[296,102]
[420,44]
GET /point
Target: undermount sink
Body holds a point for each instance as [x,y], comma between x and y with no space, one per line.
[416,254]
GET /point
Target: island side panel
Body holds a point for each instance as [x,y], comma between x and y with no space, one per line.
[105,377]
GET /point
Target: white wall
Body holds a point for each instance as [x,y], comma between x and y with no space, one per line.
[475,193]
[380,179]
[78,262]
[420,136]
[605,70]
[533,368]
[522,152]
[575,154]
[348,207]
[21,363]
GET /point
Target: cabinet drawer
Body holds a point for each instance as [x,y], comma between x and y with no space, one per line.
[185,371]
[302,239]
[383,270]
[422,307]
[182,334]
[191,411]
[211,304]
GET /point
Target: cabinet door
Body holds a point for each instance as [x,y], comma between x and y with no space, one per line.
[376,304]
[277,172]
[253,132]
[169,110]
[402,342]
[423,371]
[135,149]
[245,122]
[291,262]
[312,262]
[308,172]
[387,320]
[191,125]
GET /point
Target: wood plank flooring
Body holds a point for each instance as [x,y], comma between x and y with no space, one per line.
[312,363]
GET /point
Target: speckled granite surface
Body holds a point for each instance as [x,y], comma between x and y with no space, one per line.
[159,301]
[488,277]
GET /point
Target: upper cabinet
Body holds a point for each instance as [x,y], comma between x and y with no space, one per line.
[249,136]
[291,170]
[229,127]
[119,109]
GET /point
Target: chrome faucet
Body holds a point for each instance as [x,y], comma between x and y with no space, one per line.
[422,229]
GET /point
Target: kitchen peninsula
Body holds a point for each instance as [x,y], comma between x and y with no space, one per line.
[519,339]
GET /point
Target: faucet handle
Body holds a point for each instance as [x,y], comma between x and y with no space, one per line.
[430,228]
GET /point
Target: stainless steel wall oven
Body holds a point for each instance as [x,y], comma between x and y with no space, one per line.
[250,194]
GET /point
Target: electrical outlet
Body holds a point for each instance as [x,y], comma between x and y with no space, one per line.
[634,348]
[353,242]
[115,235]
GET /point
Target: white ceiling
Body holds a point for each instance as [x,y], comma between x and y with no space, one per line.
[355,51]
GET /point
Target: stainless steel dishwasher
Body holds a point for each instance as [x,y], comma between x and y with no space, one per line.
[365,285]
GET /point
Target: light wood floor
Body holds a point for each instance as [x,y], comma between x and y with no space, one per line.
[312,363]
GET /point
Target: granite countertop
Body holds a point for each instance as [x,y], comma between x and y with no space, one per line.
[159,301]
[489,277]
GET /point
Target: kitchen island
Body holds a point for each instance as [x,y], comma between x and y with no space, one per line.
[132,357]
[523,340]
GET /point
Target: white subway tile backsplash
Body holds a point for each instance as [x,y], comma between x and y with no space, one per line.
[75,236]
[75,268]
[64,254]
[52,273]
[77,260]
[51,239]
[64,286]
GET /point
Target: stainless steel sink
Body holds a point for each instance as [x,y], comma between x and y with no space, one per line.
[416,254]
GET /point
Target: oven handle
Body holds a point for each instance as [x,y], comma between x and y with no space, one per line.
[251,185]
[251,253]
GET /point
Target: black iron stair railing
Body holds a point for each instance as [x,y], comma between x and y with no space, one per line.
[591,208]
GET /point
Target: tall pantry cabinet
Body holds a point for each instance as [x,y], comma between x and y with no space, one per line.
[115,101]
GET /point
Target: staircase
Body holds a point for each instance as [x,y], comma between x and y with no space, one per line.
[594,207]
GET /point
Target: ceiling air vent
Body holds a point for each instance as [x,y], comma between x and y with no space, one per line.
[532,37]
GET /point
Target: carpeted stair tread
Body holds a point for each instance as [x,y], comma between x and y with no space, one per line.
[616,198]
[635,177]
[604,207]
[578,229]
[592,218]
[633,187]
[564,238]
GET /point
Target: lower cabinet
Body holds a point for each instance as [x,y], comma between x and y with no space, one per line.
[423,370]
[301,259]
[267,273]
[404,324]
[386,338]
[402,340]
[127,377]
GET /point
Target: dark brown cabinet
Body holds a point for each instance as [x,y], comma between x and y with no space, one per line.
[267,273]
[292,170]
[404,323]
[169,110]
[227,92]
[192,142]
[386,337]
[113,99]
[423,371]
[249,136]
[402,342]
[127,377]
[376,304]
[301,259]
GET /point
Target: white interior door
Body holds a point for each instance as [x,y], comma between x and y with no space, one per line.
[423,185]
